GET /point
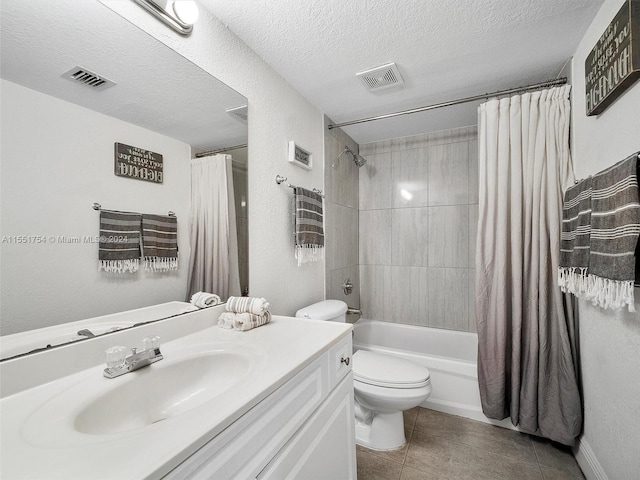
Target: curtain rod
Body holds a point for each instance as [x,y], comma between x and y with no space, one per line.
[549,83]
[220,150]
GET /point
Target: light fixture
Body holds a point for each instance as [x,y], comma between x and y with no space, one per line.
[178,14]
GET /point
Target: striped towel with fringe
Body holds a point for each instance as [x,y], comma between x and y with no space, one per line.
[160,242]
[309,232]
[119,246]
[615,229]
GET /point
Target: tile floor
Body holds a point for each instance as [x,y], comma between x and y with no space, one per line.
[445,447]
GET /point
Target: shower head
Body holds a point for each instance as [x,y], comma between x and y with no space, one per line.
[359,160]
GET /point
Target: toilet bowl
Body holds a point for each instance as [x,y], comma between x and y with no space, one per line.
[384,386]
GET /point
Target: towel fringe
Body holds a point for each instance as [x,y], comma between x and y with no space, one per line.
[607,293]
[119,266]
[309,253]
[160,264]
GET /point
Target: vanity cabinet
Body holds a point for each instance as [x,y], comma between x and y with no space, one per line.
[303,430]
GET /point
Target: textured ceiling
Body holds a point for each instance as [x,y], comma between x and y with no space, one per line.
[445,49]
[155,87]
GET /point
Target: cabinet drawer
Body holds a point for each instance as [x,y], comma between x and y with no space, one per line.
[242,450]
[340,361]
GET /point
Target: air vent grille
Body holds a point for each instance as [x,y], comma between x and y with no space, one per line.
[381,78]
[88,78]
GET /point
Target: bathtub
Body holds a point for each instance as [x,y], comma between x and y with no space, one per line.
[450,356]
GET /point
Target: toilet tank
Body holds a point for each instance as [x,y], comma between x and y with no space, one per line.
[331,310]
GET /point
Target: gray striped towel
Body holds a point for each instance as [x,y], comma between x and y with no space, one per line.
[309,232]
[243,321]
[257,306]
[576,239]
[615,229]
[119,246]
[160,242]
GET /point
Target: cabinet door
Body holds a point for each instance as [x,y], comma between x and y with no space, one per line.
[324,448]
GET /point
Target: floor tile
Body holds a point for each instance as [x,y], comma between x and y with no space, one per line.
[553,474]
[410,417]
[556,456]
[477,434]
[373,467]
[396,455]
[448,459]
[409,473]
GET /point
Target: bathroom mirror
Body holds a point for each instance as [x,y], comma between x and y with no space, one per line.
[58,151]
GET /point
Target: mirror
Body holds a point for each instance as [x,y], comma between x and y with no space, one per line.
[58,148]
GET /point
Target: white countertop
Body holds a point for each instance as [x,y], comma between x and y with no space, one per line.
[39,444]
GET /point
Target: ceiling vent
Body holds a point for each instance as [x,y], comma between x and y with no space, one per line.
[88,78]
[381,78]
[240,113]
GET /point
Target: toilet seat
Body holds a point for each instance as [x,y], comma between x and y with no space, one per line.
[382,370]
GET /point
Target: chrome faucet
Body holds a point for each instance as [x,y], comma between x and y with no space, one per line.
[119,364]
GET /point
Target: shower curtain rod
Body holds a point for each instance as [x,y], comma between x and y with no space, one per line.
[549,83]
[220,150]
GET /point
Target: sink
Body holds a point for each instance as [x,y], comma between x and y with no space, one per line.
[155,393]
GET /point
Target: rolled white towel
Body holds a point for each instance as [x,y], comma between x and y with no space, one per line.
[226,320]
[257,306]
[204,300]
[247,321]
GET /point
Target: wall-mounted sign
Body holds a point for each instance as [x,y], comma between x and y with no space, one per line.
[614,63]
[134,162]
[299,156]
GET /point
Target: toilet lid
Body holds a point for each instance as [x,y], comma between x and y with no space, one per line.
[388,371]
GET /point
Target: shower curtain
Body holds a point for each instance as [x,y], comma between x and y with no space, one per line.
[213,262]
[526,354]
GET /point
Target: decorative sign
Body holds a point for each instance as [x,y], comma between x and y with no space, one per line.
[299,156]
[134,162]
[614,63]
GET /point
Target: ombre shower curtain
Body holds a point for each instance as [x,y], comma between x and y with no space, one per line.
[213,261]
[526,342]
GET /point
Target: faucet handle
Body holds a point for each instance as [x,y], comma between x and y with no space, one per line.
[151,343]
[115,356]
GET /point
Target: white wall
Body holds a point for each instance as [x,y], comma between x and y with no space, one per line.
[609,342]
[57,160]
[277,114]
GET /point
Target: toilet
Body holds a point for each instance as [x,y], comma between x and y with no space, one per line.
[384,386]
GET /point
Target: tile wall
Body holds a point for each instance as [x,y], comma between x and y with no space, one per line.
[418,211]
[341,218]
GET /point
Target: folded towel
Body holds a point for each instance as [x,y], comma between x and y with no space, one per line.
[119,247]
[204,300]
[226,320]
[615,229]
[160,242]
[309,234]
[247,321]
[243,321]
[257,306]
[576,239]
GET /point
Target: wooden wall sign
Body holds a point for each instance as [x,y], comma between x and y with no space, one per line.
[134,162]
[614,63]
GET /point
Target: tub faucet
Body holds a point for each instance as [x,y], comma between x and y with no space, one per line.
[119,364]
[85,332]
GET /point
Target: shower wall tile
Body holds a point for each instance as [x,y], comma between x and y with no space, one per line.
[410,178]
[376,182]
[449,174]
[473,230]
[448,298]
[473,172]
[418,218]
[409,236]
[341,236]
[375,237]
[448,236]
[409,295]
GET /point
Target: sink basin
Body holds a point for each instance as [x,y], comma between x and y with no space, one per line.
[163,390]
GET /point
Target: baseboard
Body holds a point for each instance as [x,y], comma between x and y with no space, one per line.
[588,461]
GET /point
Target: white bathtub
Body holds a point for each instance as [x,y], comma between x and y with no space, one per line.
[450,356]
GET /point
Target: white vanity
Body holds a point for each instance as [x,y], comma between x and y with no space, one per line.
[275,402]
